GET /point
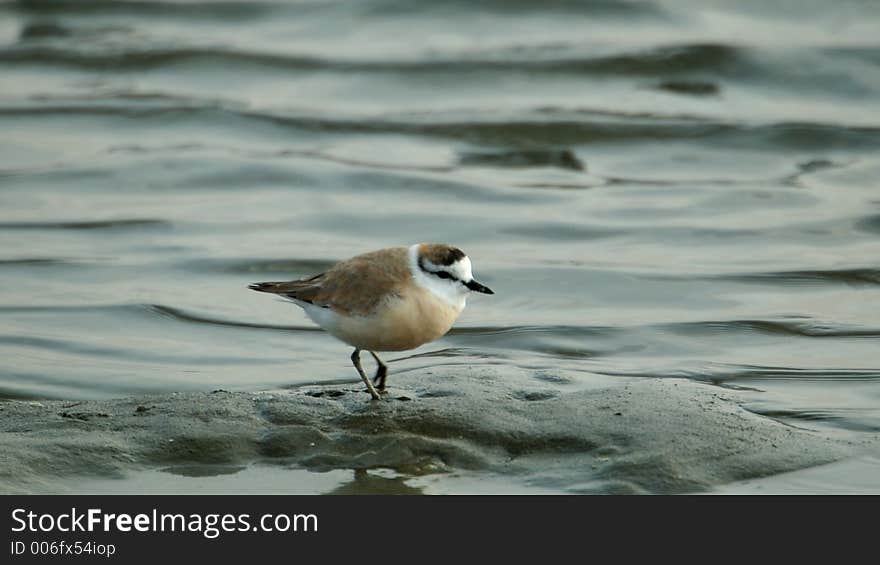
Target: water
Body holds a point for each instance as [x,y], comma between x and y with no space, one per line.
[678,189]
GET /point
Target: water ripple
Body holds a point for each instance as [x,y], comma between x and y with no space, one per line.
[122,223]
[184,316]
[243,266]
[500,132]
[117,352]
[203,9]
[853,276]
[758,372]
[802,329]
[657,61]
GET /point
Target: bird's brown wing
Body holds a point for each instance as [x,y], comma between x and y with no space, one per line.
[355,286]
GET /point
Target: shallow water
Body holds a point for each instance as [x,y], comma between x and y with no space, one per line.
[260,479]
[681,189]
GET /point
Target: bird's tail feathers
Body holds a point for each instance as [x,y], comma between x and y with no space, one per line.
[264,286]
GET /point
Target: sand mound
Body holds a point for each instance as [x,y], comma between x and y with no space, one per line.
[657,435]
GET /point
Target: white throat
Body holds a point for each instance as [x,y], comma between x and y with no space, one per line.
[451,292]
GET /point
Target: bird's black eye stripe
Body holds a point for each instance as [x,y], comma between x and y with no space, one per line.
[440,274]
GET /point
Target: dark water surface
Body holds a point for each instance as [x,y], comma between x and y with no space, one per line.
[677,189]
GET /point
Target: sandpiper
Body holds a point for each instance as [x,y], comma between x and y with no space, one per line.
[392,299]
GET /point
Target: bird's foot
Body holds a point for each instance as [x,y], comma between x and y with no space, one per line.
[377,395]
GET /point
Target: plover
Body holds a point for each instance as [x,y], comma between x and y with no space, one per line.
[392,299]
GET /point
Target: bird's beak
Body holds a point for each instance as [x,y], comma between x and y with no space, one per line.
[477,287]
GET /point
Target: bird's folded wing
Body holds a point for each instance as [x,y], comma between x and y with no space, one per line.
[360,286]
[355,290]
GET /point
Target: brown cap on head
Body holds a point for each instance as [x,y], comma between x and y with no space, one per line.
[440,253]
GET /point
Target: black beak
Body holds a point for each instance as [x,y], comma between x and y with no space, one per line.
[477,287]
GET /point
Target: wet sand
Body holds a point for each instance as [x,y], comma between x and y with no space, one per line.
[457,430]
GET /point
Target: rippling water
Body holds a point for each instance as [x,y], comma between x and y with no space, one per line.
[667,188]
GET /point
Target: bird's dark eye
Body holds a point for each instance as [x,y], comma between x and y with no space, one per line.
[443,274]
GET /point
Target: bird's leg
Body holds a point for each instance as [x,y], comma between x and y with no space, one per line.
[381,373]
[356,360]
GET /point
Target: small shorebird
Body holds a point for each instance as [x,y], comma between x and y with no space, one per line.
[392,299]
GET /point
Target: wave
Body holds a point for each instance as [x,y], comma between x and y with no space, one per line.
[558,158]
[732,375]
[597,8]
[806,328]
[72,308]
[139,310]
[123,223]
[497,131]
[235,10]
[689,69]
[659,61]
[870,224]
[842,419]
[78,347]
[242,266]
[37,261]
[203,9]
[802,327]
[851,276]
[690,87]
[758,372]
[559,231]
[182,315]
[567,330]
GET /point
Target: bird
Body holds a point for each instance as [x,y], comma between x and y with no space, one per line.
[392,299]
